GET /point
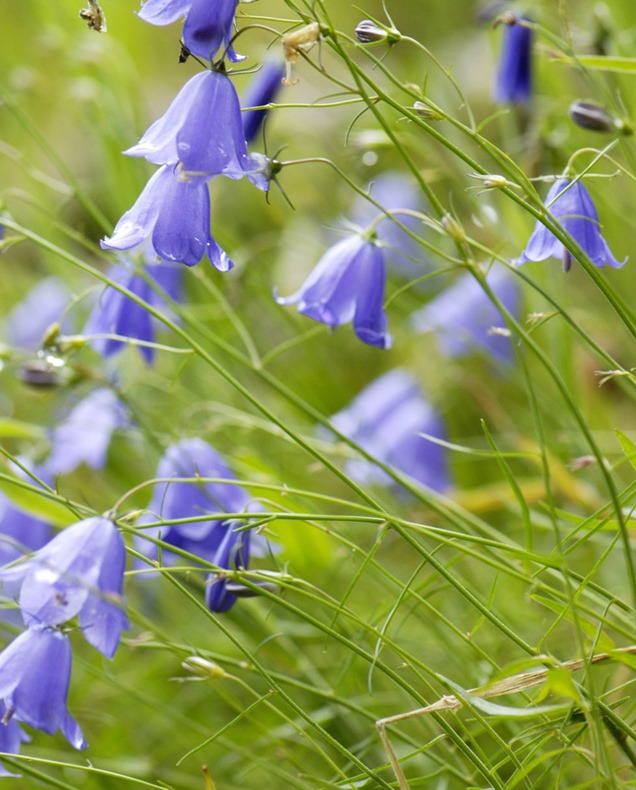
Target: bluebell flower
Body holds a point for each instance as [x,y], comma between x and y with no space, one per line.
[570,203]
[392,190]
[29,320]
[464,318]
[261,91]
[386,419]
[35,672]
[175,216]
[117,314]
[84,436]
[79,572]
[233,554]
[208,25]
[175,500]
[347,284]
[202,129]
[514,75]
[12,736]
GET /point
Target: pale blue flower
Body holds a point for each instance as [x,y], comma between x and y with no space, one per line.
[12,736]
[177,500]
[175,215]
[115,313]
[84,436]
[203,130]
[464,319]
[347,284]
[570,203]
[79,572]
[387,419]
[35,672]
[44,305]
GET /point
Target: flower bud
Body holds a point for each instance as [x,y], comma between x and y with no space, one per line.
[39,374]
[426,112]
[368,32]
[204,668]
[589,115]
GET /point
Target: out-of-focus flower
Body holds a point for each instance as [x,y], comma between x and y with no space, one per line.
[79,572]
[570,203]
[386,419]
[202,129]
[12,736]
[35,671]
[84,436]
[514,75]
[43,305]
[233,554]
[347,284]
[208,26]
[115,313]
[175,215]
[261,91]
[464,318]
[394,191]
[175,500]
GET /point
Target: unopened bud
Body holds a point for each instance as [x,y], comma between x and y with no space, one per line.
[39,374]
[589,115]
[367,32]
[204,668]
[426,112]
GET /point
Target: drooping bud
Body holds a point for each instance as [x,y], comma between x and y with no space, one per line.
[426,112]
[591,116]
[369,32]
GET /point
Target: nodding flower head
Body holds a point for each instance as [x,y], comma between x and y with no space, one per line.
[261,91]
[35,672]
[175,215]
[347,284]
[570,203]
[387,419]
[79,572]
[207,27]
[203,130]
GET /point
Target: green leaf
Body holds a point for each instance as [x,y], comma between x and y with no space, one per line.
[35,502]
[15,429]
[629,447]
[602,63]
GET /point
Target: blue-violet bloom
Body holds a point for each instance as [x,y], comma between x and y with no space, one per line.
[175,215]
[29,320]
[464,318]
[114,313]
[514,74]
[387,419]
[84,436]
[261,91]
[21,532]
[347,284]
[79,572]
[203,129]
[177,500]
[570,203]
[208,25]
[233,554]
[35,672]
